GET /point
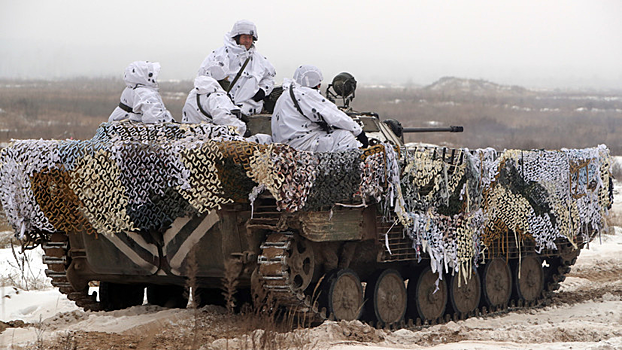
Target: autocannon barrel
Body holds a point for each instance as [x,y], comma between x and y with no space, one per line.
[453,128]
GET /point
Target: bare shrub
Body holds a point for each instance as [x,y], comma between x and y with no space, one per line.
[68,342]
[191,287]
[23,276]
[273,328]
[39,327]
[267,325]
[233,267]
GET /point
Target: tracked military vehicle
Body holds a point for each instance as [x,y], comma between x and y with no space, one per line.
[386,234]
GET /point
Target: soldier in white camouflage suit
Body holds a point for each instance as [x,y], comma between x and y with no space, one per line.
[307,121]
[141,100]
[209,103]
[249,75]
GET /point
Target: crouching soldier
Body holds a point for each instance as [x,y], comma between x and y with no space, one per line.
[307,121]
[141,100]
[209,103]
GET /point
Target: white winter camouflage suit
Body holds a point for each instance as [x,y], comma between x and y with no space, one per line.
[214,101]
[303,132]
[259,73]
[141,95]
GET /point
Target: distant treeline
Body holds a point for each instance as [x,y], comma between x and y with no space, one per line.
[498,118]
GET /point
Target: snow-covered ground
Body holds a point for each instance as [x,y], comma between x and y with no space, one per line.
[593,323]
[586,313]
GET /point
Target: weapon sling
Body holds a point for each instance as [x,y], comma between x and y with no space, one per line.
[235,80]
[125,107]
[201,107]
[323,124]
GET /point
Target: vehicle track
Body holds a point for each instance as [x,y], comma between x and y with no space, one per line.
[57,258]
[276,279]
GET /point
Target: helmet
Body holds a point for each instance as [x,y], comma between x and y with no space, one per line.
[244,27]
[344,84]
[308,75]
[395,126]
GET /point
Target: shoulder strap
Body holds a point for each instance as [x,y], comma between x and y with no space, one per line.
[204,112]
[322,123]
[291,95]
[125,107]
[235,80]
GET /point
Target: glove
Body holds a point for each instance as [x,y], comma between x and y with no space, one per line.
[259,95]
[238,114]
[363,139]
[243,117]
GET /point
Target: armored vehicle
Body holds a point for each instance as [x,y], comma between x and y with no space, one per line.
[387,234]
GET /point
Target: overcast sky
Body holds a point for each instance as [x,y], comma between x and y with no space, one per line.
[534,43]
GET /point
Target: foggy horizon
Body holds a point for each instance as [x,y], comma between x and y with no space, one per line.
[553,44]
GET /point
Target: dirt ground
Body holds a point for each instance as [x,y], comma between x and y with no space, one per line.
[585,313]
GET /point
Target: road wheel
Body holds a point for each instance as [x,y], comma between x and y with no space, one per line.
[465,295]
[529,278]
[386,298]
[342,295]
[301,263]
[497,283]
[429,300]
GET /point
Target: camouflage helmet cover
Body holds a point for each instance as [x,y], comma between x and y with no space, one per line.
[244,27]
[308,75]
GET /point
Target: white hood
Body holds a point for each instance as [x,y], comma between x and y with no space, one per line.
[143,73]
[235,48]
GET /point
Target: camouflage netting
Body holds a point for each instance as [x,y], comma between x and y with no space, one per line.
[464,201]
[453,204]
[129,177]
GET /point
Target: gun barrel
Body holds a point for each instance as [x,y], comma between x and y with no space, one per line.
[453,128]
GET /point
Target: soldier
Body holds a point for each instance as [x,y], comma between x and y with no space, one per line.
[208,102]
[141,101]
[307,121]
[249,77]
